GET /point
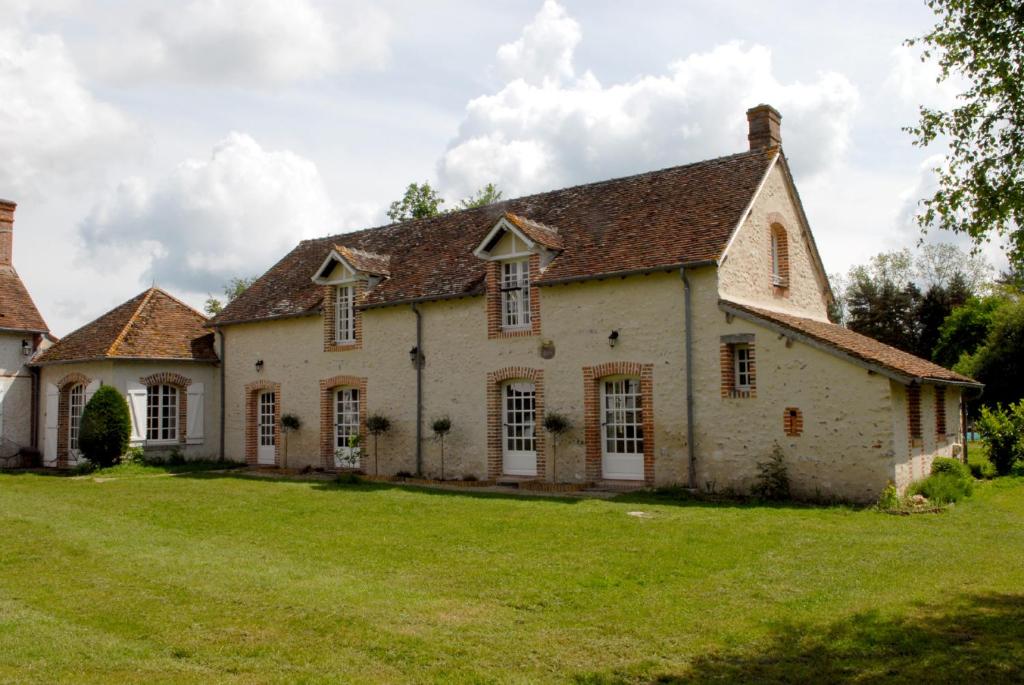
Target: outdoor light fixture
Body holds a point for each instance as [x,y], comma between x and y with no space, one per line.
[259,365]
[414,356]
[613,339]
[26,349]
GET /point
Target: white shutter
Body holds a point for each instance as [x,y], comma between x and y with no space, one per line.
[196,412]
[50,434]
[137,407]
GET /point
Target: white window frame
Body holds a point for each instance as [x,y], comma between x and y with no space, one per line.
[344,313]
[515,294]
[163,427]
[776,273]
[346,418]
[76,405]
[742,373]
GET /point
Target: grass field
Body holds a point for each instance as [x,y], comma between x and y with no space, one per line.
[224,578]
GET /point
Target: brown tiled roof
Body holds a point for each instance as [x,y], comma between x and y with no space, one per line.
[366,262]
[660,219]
[538,232]
[17,310]
[855,345]
[151,325]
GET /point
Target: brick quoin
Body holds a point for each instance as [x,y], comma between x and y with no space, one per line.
[330,305]
[914,413]
[592,378]
[328,390]
[492,281]
[252,394]
[495,408]
[64,386]
[180,382]
[940,412]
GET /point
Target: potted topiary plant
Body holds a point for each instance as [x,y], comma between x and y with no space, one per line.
[105,427]
[556,424]
[289,423]
[377,425]
[441,427]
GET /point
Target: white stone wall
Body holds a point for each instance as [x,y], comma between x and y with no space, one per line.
[745,275]
[914,458]
[15,390]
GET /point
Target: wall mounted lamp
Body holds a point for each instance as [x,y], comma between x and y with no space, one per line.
[613,339]
[259,365]
[26,348]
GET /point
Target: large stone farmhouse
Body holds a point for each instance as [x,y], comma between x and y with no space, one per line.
[678,318]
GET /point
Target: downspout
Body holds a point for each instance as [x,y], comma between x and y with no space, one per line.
[418,362]
[223,381]
[688,336]
[33,442]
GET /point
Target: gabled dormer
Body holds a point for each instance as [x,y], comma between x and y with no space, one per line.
[517,249]
[346,275]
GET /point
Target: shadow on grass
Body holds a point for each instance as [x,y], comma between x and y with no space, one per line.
[681,498]
[976,639]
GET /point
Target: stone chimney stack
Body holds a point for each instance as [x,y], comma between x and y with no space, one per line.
[765,124]
[6,231]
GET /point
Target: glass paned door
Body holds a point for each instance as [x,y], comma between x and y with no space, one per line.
[519,438]
[622,429]
[346,427]
[266,452]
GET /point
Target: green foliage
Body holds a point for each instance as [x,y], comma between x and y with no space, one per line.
[290,422]
[378,424]
[556,423]
[983,470]
[487,195]
[348,478]
[441,426]
[998,362]
[1002,432]
[232,289]
[943,488]
[84,467]
[889,500]
[981,184]
[105,427]
[965,329]
[952,466]
[134,455]
[773,477]
[1018,468]
[419,202]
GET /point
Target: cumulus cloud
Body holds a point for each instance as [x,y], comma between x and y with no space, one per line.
[52,129]
[233,214]
[545,128]
[248,42]
[916,82]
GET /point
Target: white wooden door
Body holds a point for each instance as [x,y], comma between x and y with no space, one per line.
[622,430]
[519,419]
[266,429]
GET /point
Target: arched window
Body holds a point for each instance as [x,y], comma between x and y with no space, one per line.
[780,256]
[162,413]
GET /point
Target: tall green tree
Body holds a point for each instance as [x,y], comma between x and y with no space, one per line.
[487,195]
[965,329]
[232,289]
[998,362]
[981,184]
[419,202]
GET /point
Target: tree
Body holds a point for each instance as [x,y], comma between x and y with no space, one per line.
[419,202]
[998,362]
[487,195]
[884,310]
[937,304]
[232,289]
[981,184]
[965,329]
[943,263]
[105,427]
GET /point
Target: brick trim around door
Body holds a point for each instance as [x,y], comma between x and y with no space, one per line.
[495,379]
[252,393]
[592,377]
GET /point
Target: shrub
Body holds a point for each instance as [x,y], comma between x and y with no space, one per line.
[348,478]
[1002,431]
[556,424]
[983,470]
[890,498]
[773,478]
[952,466]
[943,488]
[105,427]
[377,425]
[134,455]
[84,467]
[291,422]
[1018,468]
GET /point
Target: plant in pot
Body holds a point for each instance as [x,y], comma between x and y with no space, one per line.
[441,428]
[289,423]
[350,456]
[377,425]
[556,425]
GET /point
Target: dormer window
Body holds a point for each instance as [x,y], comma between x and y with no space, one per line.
[345,314]
[515,294]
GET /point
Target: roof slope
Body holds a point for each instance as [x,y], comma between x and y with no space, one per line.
[856,345]
[151,325]
[17,310]
[655,220]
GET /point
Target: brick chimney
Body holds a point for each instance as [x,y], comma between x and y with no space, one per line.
[6,231]
[765,127]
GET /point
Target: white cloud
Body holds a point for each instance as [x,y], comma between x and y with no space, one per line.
[543,53]
[52,129]
[538,133]
[247,42]
[233,214]
[917,83]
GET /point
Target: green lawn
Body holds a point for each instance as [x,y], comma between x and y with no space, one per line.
[225,578]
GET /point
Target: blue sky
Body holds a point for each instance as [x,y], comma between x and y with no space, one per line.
[183,144]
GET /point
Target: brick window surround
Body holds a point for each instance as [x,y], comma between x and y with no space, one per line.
[493,287]
[914,413]
[252,394]
[495,382]
[328,388]
[330,303]
[778,249]
[793,422]
[592,378]
[179,382]
[64,386]
[940,412]
[727,361]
